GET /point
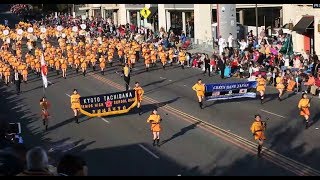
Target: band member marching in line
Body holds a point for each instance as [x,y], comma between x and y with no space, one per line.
[200,90]
[257,128]
[261,87]
[57,64]
[75,104]
[304,105]
[147,61]
[102,64]
[280,86]
[139,94]
[155,119]
[44,104]
[84,68]
[64,67]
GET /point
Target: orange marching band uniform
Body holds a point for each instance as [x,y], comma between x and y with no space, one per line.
[155,127]
[261,87]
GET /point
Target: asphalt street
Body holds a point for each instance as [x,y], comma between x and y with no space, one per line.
[122,145]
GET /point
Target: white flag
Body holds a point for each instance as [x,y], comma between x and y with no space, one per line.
[44,71]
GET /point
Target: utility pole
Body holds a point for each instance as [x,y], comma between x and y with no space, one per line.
[257,19]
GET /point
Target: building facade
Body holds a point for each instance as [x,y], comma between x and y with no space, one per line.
[305,33]
[197,20]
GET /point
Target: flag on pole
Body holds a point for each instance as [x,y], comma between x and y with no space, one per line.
[287,48]
[44,71]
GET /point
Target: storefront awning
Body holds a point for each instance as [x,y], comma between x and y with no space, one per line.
[304,24]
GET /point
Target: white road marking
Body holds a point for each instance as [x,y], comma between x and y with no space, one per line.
[103,119]
[151,153]
[170,80]
[68,95]
[184,85]
[273,113]
[162,78]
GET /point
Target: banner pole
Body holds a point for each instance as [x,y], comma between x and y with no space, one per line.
[44,91]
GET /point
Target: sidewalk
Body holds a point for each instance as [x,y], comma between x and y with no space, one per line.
[207,50]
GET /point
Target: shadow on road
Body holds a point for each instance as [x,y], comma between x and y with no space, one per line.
[154,83]
[81,118]
[181,132]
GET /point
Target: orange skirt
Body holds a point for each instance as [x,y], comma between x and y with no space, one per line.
[139,98]
[259,136]
[200,93]
[261,88]
[155,127]
[304,112]
[75,106]
[280,86]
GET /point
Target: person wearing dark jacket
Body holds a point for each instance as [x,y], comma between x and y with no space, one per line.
[206,65]
[17,77]
[222,65]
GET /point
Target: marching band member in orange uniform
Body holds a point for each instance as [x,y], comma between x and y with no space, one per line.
[147,61]
[304,105]
[64,69]
[93,61]
[291,84]
[57,65]
[132,57]
[139,94]
[280,86]
[25,75]
[261,87]
[155,120]
[102,64]
[7,74]
[171,56]
[200,90]
[163,58]
[110,56]
[38,68]
[257,129]
[77,64]
[75,104]
[84,68]
[153,54]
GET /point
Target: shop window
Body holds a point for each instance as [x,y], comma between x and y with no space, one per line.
[133,17]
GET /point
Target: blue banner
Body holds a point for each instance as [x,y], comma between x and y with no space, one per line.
[220,91]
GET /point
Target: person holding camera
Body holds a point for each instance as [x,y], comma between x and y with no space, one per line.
[258,128]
